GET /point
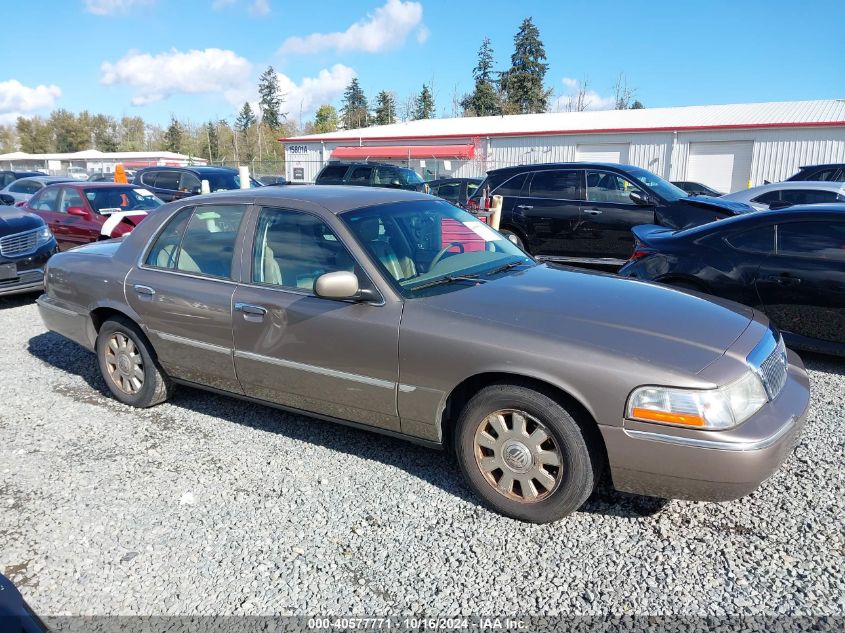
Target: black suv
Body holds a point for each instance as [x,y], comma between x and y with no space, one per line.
[584,212]
[832,172]
[173,183]
[370,175]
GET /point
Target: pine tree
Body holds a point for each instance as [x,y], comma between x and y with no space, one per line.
[246,118]
[211,147]
[385,113]
[271,99]
[325,119]
[173,136]
[484,100]
[637,105]
[424,105]
[354,111]
[523,82]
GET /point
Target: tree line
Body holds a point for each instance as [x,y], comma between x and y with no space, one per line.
[252,135]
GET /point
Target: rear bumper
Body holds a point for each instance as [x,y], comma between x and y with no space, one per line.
[710,466]
[66,321]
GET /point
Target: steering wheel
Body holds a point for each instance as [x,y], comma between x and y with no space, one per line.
[443,252]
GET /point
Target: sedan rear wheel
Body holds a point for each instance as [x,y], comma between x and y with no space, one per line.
[525,454]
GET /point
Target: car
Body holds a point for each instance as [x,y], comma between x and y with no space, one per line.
[583,213]
[368,174]
[784,194]
[455,190]
[830,172]
[272,180]
[24,188]
[397,312]
[79,213]
[26,243]
[789,264]
[77,173]
[696,188]
[15,614]
[175,183]
[7,177]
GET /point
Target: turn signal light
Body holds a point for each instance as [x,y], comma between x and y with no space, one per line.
[669,418]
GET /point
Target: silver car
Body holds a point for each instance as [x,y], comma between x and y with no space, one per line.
[779,195]
[23,189]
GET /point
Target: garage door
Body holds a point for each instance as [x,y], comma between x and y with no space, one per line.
[602,153]
[724,166]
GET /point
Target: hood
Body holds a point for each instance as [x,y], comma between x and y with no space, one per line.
[709,202]
[16,220]
[653,323]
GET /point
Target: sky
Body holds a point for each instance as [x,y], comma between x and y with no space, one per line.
[200,59]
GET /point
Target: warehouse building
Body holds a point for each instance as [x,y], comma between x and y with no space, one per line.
[727,147]
[92,160]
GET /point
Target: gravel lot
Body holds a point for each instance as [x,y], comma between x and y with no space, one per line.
[208,505]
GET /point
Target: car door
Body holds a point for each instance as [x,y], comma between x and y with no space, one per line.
[334,358]
[45,204]
[360,175]
[802,284]
[79,229]
[608,216]
[550,208]
[183,293]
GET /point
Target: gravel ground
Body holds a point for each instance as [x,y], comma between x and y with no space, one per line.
[208,505]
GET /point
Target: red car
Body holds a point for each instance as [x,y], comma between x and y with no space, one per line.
[79,213]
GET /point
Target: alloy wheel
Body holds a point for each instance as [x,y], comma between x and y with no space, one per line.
[124,363]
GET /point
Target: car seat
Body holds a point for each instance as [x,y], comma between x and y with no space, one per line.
[400,267]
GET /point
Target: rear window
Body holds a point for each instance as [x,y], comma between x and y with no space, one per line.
[332,175]
[757,240]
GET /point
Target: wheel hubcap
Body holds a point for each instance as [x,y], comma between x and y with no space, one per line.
[518,455]
[124,363]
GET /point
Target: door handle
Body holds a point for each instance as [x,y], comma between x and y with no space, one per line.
[144,290]
[250,309]
[592,212]
[524,207]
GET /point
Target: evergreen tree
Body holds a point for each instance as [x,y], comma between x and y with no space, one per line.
[424,105]
[385,113]
[173,136]
[271,99]
[246,118]
[325,119]
[484,100]
[523,82]
[211,147]
[637,105]
[354,111]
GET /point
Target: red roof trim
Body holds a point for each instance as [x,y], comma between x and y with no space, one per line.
[465,152]
[686,128]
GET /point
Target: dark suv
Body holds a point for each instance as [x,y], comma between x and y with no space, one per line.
[584,212]
[173,183]
[832,172]
[370,175]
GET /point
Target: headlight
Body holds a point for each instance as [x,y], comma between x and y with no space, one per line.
[44,235]
[712,409]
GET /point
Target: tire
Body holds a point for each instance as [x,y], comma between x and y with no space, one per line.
[514,237]
[567,486]
[134,377]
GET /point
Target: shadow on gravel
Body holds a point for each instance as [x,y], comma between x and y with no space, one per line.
[823,362]
[438,468]
[17,301]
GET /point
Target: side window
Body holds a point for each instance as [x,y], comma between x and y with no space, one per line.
[759,240]
[189,182]
[471,187]
[807,196]
[166,248]
[818,240]
[826,175]
[168,180]
[768,198]
[71,198]
[25,186]
[558,184]
[604,186]
[209,241]
[450,191]
[360,176]
[5,179]
[292,249]
[511,187]
[332,175]
[149,178]
[384,176]
[47,200]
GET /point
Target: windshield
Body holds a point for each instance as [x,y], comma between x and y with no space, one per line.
[422,242]
[662,188]
[106,200]
[411,177]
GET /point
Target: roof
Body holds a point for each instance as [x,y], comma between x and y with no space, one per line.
[93,154]
[333,198]
[200,169]
[98,184]
[49,179]
[740,115]
[812,185]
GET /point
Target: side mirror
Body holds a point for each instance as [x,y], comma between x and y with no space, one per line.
[640,199]
[7,199]
[78,211]
[342,284]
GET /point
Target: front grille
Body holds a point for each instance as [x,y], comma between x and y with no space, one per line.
[19,244]
[774,369]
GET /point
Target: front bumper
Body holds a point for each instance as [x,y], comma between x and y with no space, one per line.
[674,463]
[30,276]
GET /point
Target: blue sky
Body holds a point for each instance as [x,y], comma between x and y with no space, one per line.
[199,59]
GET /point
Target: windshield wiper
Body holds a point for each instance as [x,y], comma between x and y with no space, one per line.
[507,266]
[449,279]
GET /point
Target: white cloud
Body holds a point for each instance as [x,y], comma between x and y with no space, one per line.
[112,7]
[259,7]
[157,77]
[591,99]
[385,29]
[19,100]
